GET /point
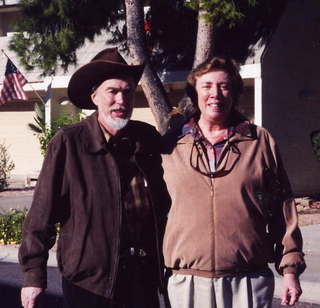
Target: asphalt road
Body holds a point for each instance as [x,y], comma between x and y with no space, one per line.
[10,282]
[16,202]
[10,275]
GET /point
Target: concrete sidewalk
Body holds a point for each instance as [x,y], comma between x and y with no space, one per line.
[310,279]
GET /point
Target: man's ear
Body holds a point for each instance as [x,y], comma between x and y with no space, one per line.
[93,97]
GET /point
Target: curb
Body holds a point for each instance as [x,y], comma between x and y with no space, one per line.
[310,290]
[311,294]
[9,253]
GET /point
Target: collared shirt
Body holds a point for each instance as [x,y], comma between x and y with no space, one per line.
[137,222]
[213,151]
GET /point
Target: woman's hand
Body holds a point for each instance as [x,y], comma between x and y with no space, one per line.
[291,289]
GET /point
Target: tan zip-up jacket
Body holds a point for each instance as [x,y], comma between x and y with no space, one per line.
[237,219]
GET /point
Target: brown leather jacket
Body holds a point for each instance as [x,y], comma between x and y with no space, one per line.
[79,187]
[237,219]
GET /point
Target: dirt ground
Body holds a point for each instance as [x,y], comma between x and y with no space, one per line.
[309,219]
[308,210]
[308,207]
[17,192]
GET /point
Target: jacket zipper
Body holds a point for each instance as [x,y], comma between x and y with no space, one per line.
[213,223]
[225,149]
[155,225]
[117,249]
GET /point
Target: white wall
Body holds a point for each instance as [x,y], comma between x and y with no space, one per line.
[23,145]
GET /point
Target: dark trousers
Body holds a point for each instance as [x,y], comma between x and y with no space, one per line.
[136,287]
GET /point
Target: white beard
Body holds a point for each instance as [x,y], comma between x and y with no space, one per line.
[117,123]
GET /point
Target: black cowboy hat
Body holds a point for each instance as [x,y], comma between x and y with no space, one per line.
[104,65]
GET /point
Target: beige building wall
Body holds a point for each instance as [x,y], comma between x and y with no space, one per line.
[291,92]
[143,114]
[22,143]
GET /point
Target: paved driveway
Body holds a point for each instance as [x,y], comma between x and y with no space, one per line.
[16,202]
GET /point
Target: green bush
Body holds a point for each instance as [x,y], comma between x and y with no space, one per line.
[11,226]
[48,133]
[6,165]
[45,133]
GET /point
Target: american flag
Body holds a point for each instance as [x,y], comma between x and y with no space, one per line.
[12,84]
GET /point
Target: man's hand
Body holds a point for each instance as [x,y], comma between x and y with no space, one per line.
[291,289]
[29,296]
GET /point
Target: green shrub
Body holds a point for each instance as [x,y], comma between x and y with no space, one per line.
[45,133]
[11,226]
[6,165]
[48,133]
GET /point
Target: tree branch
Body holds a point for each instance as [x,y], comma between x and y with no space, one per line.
[150,82]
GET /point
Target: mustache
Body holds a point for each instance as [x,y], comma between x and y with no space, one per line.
[120,108]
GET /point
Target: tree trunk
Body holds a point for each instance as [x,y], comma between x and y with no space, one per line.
[150,82]
[204,51]
[205,39]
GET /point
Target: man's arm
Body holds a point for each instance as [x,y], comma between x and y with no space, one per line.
[29,296]
[39,226]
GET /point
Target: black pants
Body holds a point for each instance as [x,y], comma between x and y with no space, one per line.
[136,287]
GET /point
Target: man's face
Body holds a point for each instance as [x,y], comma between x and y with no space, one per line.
[214,96]
[114,100]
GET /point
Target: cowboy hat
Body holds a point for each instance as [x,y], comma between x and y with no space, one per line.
[106,64]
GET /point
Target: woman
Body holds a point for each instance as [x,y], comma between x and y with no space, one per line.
[232,209]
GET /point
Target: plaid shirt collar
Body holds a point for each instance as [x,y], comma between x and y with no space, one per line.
[192,128]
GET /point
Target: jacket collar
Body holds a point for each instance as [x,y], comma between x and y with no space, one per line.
[244,131]
[94,138]
[240,132]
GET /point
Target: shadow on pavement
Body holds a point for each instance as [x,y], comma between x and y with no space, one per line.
[276,304]
[10,298]
[10,284]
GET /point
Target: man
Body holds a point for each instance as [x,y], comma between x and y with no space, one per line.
[102,182]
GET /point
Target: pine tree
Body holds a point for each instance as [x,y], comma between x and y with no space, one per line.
[171,35]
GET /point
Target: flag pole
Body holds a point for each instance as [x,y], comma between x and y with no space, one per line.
[34,90]
[4,53]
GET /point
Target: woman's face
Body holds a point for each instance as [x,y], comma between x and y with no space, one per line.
[214,96]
